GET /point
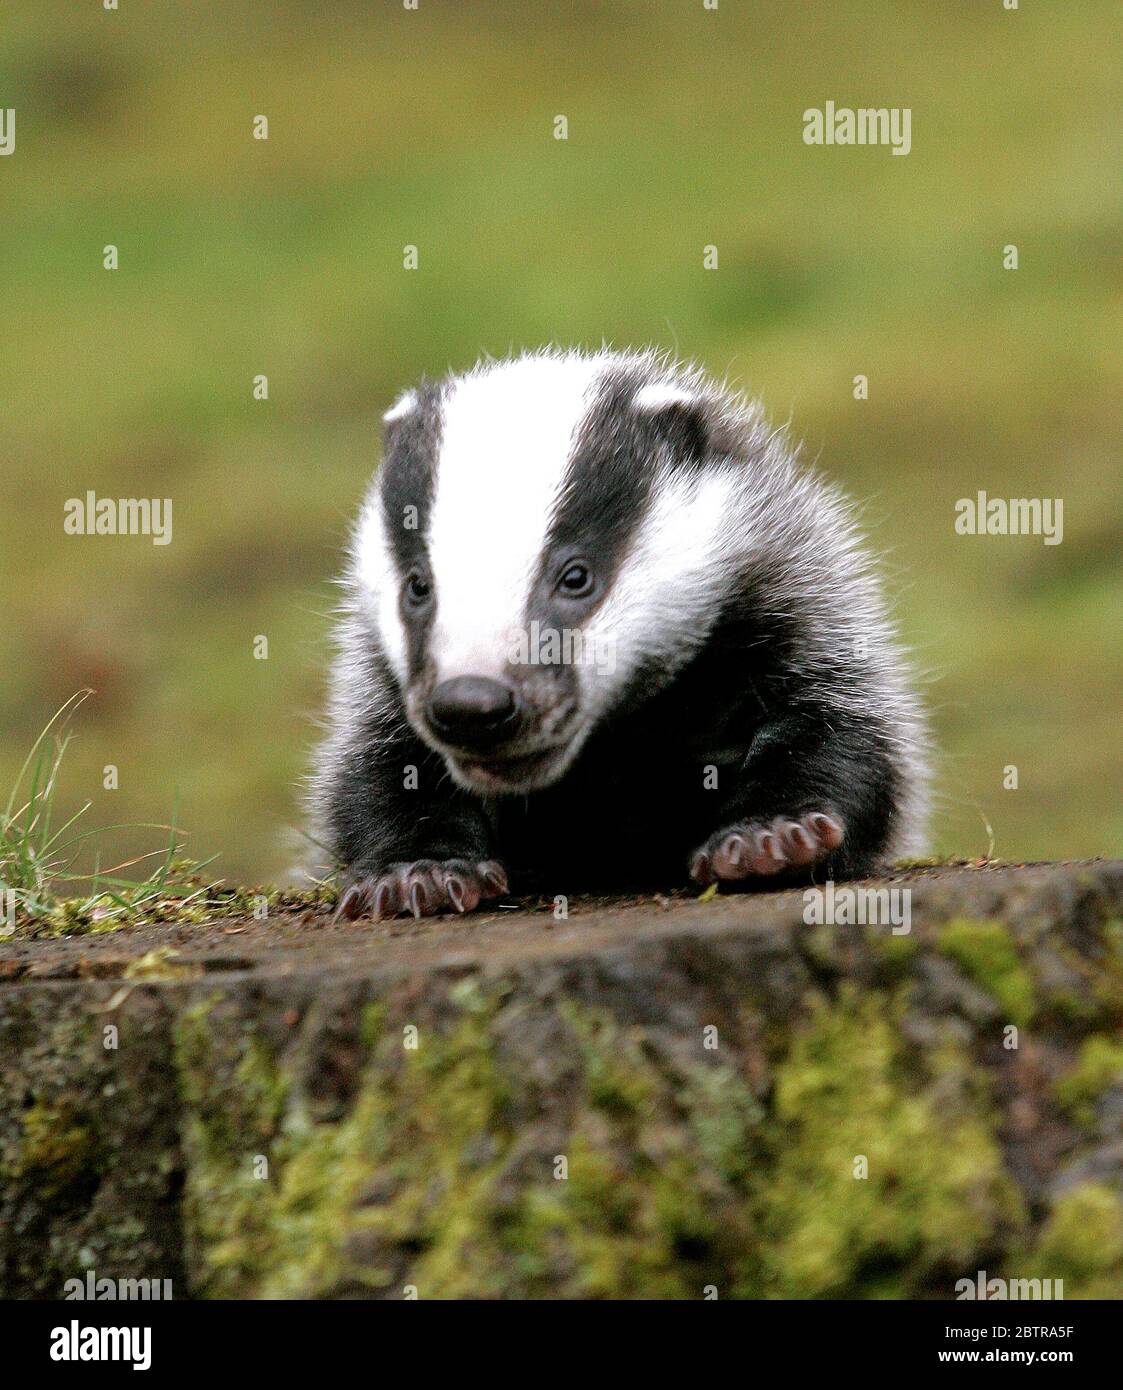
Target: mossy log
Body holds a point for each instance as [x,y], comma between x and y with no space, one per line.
[651,1098]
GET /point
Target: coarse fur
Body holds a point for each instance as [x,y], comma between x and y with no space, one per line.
[725,697]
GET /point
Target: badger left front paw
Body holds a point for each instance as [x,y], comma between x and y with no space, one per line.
[756,849]
[424,888]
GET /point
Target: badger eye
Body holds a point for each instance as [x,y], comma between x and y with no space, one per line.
[418,588]
[576,580]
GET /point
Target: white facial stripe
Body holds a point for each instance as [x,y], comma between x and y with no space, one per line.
[505,444]
[379,582]
[671,581]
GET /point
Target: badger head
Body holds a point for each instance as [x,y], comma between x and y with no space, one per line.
[548,540]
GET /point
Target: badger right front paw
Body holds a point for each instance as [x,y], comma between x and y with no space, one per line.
[424,887]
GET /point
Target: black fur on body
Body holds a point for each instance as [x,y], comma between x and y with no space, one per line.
[762,727]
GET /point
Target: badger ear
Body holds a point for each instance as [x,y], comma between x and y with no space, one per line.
[678,415]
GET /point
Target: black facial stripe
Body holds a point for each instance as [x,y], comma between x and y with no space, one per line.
[408,475]
[606,487]
[408,481]
[681,425]
[611,475]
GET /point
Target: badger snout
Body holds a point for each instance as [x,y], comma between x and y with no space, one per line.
[473,712]
[498,737]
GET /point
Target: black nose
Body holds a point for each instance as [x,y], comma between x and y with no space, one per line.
[472,709]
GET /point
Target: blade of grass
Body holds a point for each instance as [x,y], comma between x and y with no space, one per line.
[71,705]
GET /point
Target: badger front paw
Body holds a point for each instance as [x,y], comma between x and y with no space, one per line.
[758,850]
[424,887]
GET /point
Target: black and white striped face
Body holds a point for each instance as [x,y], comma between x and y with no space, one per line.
[547,538]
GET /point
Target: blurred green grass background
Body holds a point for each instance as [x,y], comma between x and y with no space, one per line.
[435,128]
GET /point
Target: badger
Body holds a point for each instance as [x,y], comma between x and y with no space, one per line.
[601,629]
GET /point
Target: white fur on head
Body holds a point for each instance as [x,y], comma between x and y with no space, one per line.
[671,583]
[506,439]
[405,403]
[374,570]
[378,581]
[658,395]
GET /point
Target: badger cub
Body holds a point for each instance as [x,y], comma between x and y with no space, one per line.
[601,629]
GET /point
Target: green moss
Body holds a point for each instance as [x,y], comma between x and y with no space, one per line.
[1107,986]
[613,1081]
[189,902]
[985,951]
[1099,1064]
[652,1178]
[895,952]
[286,1234]
[936,1191]
[1069,1005]
[234,1098]
[624,1204]
[56,1150]
[160,964]
[1081,1243]
[655,1201]
[429,1180]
